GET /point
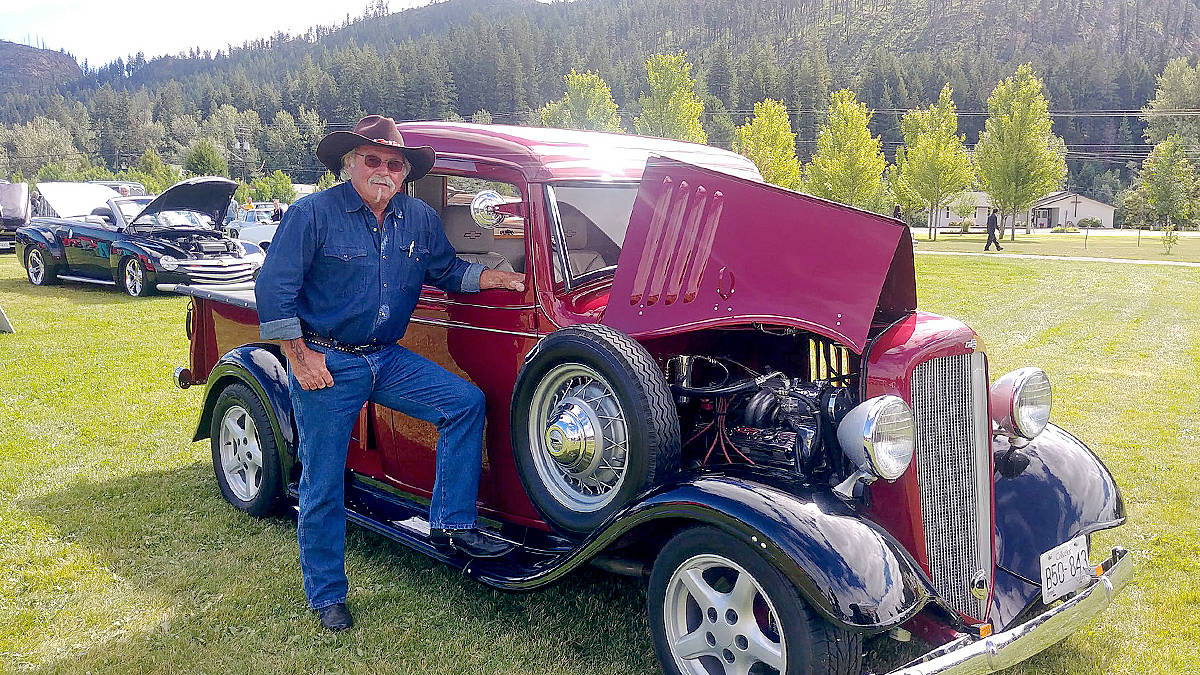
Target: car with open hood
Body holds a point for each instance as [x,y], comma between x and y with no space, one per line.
[718,385]
[87,232]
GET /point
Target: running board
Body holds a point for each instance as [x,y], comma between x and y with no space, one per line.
[88,280]
[539,558]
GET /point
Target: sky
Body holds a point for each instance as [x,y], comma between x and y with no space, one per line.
[100,32]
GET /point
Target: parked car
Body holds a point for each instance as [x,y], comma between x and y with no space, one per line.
[134,188]
[89,233]
[14,212]
[721,386]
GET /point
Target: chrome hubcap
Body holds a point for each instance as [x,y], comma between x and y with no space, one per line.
[719,621]
[579,436]
[133,277]
[241,456]
[37,266]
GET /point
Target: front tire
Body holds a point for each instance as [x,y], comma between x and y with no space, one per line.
[38,267]
[593,424]
[244,451]
[134,278]
[717,606]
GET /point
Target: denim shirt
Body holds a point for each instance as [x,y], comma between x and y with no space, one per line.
[332,270]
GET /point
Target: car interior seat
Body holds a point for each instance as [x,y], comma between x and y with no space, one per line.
[470,241]
[577,231]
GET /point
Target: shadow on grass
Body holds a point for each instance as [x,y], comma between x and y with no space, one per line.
[200,585]
[204,587]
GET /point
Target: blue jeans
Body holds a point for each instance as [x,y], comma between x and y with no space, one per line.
[401,380]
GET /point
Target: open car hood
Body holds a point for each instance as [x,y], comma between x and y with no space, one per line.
[209,195]
[75,200]
[707,249]
[14,204]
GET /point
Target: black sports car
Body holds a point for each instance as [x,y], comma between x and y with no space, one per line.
[87,232]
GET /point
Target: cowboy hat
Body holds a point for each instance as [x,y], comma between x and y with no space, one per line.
[378,131]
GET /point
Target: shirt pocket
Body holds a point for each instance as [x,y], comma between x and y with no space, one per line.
[414,272]
[347,268]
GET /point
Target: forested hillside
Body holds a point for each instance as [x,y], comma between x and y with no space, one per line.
[1098,58]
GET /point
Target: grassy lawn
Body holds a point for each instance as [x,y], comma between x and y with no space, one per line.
[117,553]
[1122,244]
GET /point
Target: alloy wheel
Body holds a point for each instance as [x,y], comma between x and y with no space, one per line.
[36,267]
[719,621]
[134,278]
[241,456]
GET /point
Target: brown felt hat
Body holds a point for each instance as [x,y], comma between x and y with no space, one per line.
[374,130]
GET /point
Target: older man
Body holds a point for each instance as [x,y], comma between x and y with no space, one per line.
[338,287]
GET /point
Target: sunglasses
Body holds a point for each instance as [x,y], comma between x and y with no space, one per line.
[373,162]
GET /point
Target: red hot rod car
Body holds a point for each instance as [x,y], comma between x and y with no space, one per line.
[720,385]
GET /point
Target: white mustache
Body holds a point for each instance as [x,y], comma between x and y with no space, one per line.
[380,182]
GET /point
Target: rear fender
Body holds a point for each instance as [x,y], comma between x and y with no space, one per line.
[262,368]
[851,571]
[35,235]
[1049,491]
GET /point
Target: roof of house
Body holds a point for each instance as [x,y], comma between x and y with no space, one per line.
[1054,198]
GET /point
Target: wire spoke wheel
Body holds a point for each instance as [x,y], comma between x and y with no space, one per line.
[579,433]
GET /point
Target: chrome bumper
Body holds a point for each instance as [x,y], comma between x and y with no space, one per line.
[974,656]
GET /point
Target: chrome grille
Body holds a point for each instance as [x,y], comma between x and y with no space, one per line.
[212,271]
[949,400]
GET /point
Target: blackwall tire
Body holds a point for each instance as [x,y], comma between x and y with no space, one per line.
[245,454]
[716,605]
[39,267]
[593,424]
[135,279]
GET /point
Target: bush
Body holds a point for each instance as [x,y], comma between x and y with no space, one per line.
[1090,223]
[1065,229]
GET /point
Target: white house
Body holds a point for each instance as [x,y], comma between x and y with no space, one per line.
[1060,209]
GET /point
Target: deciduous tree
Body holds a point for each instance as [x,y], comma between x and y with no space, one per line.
[848,165]
[204,159]
[1178,89]
[1018,157]
[769,142]
[672,109]
[933,162]
[587,104]
[1170,181]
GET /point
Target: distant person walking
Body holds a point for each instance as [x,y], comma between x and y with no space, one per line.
[992,226]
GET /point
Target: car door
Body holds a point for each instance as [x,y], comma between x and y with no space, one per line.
[87,247]
[481,337]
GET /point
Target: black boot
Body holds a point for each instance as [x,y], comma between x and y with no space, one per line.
[473,542]
[336,617]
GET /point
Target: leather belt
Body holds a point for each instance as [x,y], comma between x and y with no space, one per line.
[330,343]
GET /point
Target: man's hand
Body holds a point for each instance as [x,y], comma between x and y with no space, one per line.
[307,365]
[499,279]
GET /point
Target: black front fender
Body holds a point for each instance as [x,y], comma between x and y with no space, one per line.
[847,568]
[1047,492]
[262,368]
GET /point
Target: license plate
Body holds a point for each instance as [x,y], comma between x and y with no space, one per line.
[1065,568]
[6,246]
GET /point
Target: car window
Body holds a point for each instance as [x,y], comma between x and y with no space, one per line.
[131,207]
[593,219]
[175,219]
[502,247]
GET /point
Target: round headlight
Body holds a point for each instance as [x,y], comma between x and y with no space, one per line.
[168,263]
[879,435]
[1020,402]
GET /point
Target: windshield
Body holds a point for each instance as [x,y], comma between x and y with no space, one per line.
[593,219]
[131,206]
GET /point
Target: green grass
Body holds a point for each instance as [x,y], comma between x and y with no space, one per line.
[1123,244]
[117,553]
